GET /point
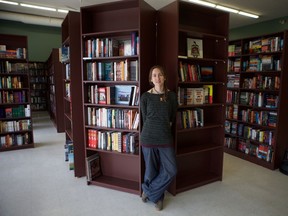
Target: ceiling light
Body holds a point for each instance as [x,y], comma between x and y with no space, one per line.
[38,7]
[203,3]
[227,9]
[9,2]
[62,11]
[248,14]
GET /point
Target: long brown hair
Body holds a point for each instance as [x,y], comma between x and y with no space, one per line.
[165,79]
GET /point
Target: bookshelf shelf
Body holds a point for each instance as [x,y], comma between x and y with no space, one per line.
[199,150]
[16,129]
[255,133]
[72,81]
[55,87]
[38,86]
[119,23]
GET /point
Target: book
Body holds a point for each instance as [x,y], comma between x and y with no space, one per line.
[123,94]
[194,48]
[93,167]
[206,73]
[209,90]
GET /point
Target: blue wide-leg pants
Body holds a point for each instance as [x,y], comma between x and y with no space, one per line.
[160,170]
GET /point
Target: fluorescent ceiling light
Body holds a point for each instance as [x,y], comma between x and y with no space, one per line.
[9,2]
[227,9]
[62,11]
[38,7]
[248,14]
[220,7]
[203,3]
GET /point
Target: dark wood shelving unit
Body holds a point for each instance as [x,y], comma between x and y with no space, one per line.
[257,66]
[38,86]
[199,150]
[56,90]
[118,20]
[15,107]
[73,108]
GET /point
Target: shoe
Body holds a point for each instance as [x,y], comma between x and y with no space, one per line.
[159,205]
[144,197]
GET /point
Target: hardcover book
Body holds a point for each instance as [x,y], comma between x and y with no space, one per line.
[194,48]
[123,94]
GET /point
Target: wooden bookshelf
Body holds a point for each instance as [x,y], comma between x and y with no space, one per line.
[15,107]
[118,21]
[38,86]
[73,108]
[199,149]
[56,90]
[256,109]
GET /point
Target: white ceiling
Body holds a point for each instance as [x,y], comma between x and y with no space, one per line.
[266,9]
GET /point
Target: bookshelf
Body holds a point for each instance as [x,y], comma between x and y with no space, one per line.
[16,131]
[56,90]
[73,108]
[116,25]
[38,86]
[256,110]
[198,144]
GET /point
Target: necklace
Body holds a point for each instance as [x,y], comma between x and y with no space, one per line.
[159,93]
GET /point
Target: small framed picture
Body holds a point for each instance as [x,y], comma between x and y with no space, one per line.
[194,48]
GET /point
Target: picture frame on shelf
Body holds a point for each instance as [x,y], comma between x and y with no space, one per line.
[194,48]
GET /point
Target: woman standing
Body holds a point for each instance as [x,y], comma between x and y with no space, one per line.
[158,109]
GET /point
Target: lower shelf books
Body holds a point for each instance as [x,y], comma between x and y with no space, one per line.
[93,167]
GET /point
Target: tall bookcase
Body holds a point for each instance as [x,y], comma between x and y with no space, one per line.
[198,144]
[73,108]
[56,90]
[38,86]
[256,111]
[16,129]
[108,30]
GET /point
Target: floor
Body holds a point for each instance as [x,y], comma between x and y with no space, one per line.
[37,182]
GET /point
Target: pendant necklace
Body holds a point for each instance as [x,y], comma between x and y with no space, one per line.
[161,96]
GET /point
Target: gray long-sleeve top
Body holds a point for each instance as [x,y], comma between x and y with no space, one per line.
[157,117]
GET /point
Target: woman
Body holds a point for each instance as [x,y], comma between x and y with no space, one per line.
[158,109]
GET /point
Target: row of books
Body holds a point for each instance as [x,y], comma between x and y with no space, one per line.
[38,81]
[14,140]
[190,118]
[113,118]
[38,99]
[113,141]
[8,67]
[233,80]
[234,65]
[232,96]
[247,132]
[118,94]
[262,82]
[191,72]
[18,53]
[109,47]
[230,142]
[13,96]
[234,50]
[189,96]
[15,112]
[263,152]
[259,99]
[261,63]
[14,126]
[11,82]
[262,45]
[232,111]
[265,118]
[113,71]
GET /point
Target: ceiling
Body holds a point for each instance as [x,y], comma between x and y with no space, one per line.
[266,9]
